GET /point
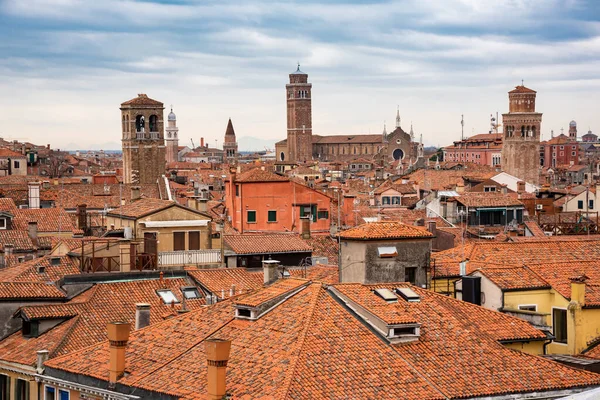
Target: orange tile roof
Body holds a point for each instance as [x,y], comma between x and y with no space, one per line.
[512,278]
[8,204]
[48,220]
[93,309]
[522,89]
[324,246]
[385,230]
[19,239]
[259,175]
[141,208]
[28,271]
[488,199]
[30,290]
[311,346]
[266,243]
[142,100]
[280,287]
[4,152]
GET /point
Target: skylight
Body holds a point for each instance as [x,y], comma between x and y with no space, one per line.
[386,294]
[408,294]
[190,292]
[167,296]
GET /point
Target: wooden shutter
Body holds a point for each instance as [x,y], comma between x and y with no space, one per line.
[178,241]
[194,240]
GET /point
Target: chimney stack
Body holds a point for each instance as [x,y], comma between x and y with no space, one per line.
[33,231]
[118,336]
[201,142]
[82,217]
[504,189]
[191,203]
[520,186]
[33,194]
[270,271]
[202,205]
[135,193]
[142,315]
[8,249]
[432,227]
[217,356]
[42,357]
[305,227]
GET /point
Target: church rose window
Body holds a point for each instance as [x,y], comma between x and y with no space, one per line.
[398,154]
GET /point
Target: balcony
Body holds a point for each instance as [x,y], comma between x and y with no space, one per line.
[169,259]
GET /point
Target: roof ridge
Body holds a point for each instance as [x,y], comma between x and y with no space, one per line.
[67,334]
[300,342]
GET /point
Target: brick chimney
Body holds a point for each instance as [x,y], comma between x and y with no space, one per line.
[201,142]
[217,356]
[33,231]
[431,227]
[118,336]
[82,216]
[270,271]
[135,193]
[142,315]
[520,186]
[305,227]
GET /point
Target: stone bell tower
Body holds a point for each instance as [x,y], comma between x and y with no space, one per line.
[299,117]
[143,140]
[521,143]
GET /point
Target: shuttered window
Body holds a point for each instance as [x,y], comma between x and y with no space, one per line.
[178,241]
[194,240]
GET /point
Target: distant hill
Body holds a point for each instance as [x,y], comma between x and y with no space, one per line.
[250,143]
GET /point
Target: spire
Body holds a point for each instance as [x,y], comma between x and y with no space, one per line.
[384,134]
[229,131]
[412,134]
[421,138]
[398,117]
[552,133]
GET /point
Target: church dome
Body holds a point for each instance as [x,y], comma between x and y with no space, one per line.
[572,123]
[172,116]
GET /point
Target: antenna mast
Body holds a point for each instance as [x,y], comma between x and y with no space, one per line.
[462,127]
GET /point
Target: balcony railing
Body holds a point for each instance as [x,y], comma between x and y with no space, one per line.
[188,257]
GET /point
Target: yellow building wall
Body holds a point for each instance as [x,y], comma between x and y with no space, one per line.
[33,385]
[535,348]
[444,286]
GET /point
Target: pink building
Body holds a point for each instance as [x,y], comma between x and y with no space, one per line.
[484,149]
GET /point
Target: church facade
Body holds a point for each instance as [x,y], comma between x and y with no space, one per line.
[302,146]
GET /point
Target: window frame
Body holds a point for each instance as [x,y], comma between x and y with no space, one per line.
[61,391]
[46,387]
[3,223]
[5,394]
[248,216]
[174,241]
[269,213]
[196,246]
[566,339]
[159,291]
[519,307]
[25,389]
[580,204]
[320,214]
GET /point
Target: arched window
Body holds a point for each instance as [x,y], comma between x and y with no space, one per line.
[128,127]
[355,150]
[522,130]
[533,131]
[140,123]
[153,123]
[124,124]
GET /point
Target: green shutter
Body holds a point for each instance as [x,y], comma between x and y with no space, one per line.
[272,216]
[251,216]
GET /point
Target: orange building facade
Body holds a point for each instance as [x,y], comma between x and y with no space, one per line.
[261,201]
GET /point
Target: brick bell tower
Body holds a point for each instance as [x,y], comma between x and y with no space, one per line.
[522,125]
[299,117]
[143,140]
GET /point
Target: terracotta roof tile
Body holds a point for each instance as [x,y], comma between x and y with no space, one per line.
[489,199]
[266,243]
[280,287]
[18,238]
[511,278]
[141,208]
[522,89]
[311,346]
[48,220]
[259,175]
[142,100]
[30,290]
[385,230]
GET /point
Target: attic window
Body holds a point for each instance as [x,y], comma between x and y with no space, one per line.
[30,328]
[55,261]
[243,313]
[387,251]
[386,294]
[404,331]
[190,292]
[408,294]
[41,269]
[167,296]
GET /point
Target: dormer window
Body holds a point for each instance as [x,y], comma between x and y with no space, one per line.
[404,333]
[30,329]
[190,293]
[167,296]
[2,223]
[243,313]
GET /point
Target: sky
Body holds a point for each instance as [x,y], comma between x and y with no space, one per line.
[66,65]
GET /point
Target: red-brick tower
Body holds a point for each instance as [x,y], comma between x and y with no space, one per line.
[299,117]
[143,140]
[521,144]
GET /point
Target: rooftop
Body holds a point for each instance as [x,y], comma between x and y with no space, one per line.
[385,230]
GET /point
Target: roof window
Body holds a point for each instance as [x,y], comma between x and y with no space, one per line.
[408,294]
[387,251]
[167,296]
[386,294]
[190,293]
[55,261]
[243,313]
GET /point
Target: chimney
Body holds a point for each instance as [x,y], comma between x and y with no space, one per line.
[82,216]
[42,357]
[118,336]
[48,147]
[270,271]
[34,194]
[431,227]
[578,290]
[142,315]
[217,356]
[45,184]
[232,291]
[33,231]
[201,142]
[135,193]
[520,186]
[504,189]
[305,227]
[575,314]
[191,203]
[202,205]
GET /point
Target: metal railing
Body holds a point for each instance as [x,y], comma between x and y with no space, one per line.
[188,257]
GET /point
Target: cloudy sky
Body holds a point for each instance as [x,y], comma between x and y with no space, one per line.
[66,65]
